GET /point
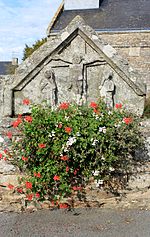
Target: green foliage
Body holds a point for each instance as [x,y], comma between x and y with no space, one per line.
[29,50]
[63,147]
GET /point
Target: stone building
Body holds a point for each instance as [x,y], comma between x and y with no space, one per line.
[124,24]
[84,58]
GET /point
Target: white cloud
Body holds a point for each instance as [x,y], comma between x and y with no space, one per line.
[23,22]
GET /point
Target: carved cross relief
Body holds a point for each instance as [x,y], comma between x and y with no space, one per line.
[78,82]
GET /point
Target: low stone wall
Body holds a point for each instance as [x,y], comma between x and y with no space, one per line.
[136,194]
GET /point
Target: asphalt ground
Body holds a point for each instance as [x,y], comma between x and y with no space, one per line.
[79,223]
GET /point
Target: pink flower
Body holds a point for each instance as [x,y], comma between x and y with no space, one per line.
[9,135]
[64,158]
[42,145]
[56,178]
[5,159]
[26,101]
[76,171]
[93,105]
[76,188]
[1,156]
[67,168]
[60,125]
[118,106]
[37,195]
[28,185]
[68,130]
[64,106]
[128,120]
[28,119]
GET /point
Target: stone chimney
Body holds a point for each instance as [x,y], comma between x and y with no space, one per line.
[15,61]
[81,4]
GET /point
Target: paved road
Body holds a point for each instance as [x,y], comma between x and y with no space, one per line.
[82,223]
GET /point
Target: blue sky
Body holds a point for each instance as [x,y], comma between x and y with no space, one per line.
[23,22]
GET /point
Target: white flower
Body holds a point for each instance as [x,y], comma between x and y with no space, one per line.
[67,118]
[102,129]
[96,172]
[99,182]
[71,141]
[96,116]
[1,139]
[111,169]
[103,158]
[109,112]
[94,142]
[78,134]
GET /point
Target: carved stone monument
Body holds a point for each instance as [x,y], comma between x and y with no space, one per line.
[75,66]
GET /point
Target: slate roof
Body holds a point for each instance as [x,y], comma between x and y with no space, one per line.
[112,15]
[4,67]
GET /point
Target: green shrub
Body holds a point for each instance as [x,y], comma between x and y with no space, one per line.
[63,147]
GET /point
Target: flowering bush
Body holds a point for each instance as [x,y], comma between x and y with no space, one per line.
[62,147]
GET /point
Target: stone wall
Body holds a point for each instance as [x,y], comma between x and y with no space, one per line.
[135,47]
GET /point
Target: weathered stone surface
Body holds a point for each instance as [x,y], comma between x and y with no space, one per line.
[135,47]
[82,66]
[9,179]
[6,168]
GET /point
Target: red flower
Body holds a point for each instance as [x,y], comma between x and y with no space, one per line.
[20,116]
[68,129]
[37,195]
[96,111]
[28,119]
[67,168]
[128,120]
[19,190]
[64,158]
[118,106]
[24,158]
[29,197]
[56,178]
[41,145]
[93,105]
[10,186]
[26,101]
[1,156]
[9,135]
[5,159]
[63,205]
[38,175]
[28,185]
[75,188]
[64,106]
[5,151]
[16,122]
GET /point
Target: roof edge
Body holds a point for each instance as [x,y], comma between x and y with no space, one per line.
[55,17]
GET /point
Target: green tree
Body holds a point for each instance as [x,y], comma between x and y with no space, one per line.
[29,50]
